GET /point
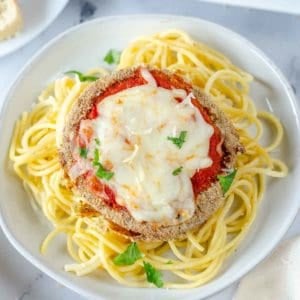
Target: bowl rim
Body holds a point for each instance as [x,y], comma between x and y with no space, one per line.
[38,263]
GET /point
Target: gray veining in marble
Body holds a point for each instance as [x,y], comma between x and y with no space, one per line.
[278,35]
[87,10]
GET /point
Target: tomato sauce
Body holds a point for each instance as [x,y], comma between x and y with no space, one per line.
[98,187]
[203,178]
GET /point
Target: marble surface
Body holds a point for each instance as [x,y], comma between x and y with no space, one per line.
[278,35]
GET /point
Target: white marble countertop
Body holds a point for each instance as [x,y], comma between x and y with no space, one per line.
[278,35]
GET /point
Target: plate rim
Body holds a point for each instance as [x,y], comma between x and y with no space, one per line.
[36,34]
[38,263]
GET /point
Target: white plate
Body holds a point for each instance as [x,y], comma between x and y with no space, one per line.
[83,47]
[37,16]
[281,6]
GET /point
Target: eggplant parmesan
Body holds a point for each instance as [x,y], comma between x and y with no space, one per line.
[144,148]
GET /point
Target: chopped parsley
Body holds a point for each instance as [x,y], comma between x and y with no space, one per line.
[103,173]
[153,275]
[178,141]
[169,262]
[97,141]
[129,256]
[81,76]
[177,171]
[96,157]
[226,181]
[83,152]
[112,57]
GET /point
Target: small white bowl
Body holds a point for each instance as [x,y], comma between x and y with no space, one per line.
[84,47]
[37,16]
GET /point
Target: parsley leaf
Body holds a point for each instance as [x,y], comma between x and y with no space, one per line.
[112,57]
[177,171]
[97,141]
[89,78]
[178,141]
[81,76]
[153,275]
[169,262]
[226,181]
[96,157]
[129,256]
[103,173]
[83,152]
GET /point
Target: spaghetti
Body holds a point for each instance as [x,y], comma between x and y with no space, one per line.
[191,261]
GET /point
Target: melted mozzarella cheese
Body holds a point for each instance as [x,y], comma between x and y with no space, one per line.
[133,127]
